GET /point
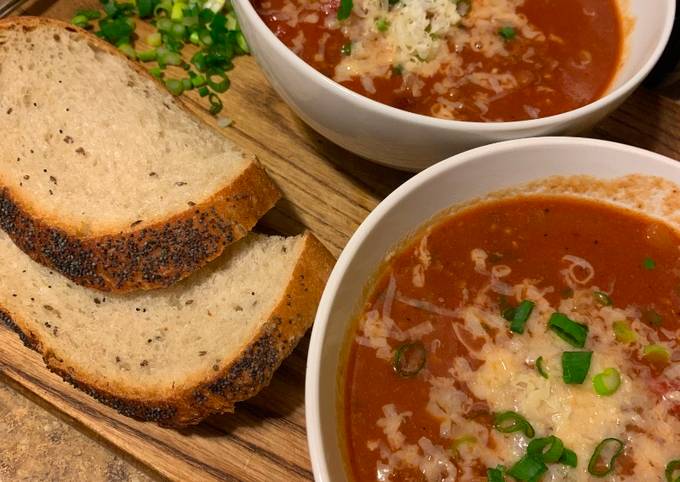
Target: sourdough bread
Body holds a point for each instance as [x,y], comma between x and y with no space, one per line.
[104,176]
[179,354]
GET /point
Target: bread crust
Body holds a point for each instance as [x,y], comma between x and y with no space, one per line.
[142,256]
[213,392]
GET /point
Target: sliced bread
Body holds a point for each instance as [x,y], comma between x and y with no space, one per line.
[104,176]
[174,355]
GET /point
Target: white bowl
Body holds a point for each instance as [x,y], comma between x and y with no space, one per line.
[412,141]
[460,178]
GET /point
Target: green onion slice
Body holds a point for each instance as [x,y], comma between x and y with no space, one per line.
[346,48]
[508,33]
[215,104]
[569,458]
[509,422]
[570,331]
[520,316]
[540,367]
[602,298]
[460,441]
[623,332]
[652,318]
[649,263]
[546,449]
[528,468]
[607,382]
[575,366]
[598,465]
[409,359]
[672,471]
[217,80]
[345,9]
[495,475]
[656,354]
[174,86]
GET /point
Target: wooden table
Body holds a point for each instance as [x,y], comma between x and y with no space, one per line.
[327,190]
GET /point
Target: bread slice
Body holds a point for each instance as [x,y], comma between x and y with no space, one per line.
[174,355]
[104,177]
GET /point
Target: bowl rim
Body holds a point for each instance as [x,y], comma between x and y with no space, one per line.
[481,127]
[319,330]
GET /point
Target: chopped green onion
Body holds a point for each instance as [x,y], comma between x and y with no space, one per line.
[203,91]
[198,81]
[194,38]
[509,422]
[145,8]
[460,441]
[89,14]
[147,55]
[656,354]
[187,84]
[520,316]
[495,475]
[575,366]
[409,359]
[382,25]
[345,9]
[128,51]
[602,298]
[672,471]
[570,331]
[80,21]
[537,449]
[508,33]
[177,12]
[398,70]
[541,368]
[607,382]
[569,458]
[528,468]
[652,318]
[598,465]
[215,104]
[156,72]
[346,49]
[649,264]
[219,85]
[242,43]
[164,25]
[623,332]
[154,40]
[174,86]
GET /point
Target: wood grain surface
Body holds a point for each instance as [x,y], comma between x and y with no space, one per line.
[327,190]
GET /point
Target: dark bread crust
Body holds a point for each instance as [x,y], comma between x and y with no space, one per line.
[213,392]
[141,256]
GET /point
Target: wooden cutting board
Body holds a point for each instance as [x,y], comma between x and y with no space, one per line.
[327,190]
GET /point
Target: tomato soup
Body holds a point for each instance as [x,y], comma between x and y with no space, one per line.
[472,60]
[527,338]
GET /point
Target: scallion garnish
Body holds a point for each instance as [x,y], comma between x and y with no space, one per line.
[528,468]
[495,475]
[216,34]
[603,464]
[672,471]
[649,263]
[509,422]
[656,354]
[345,9]
[607,382]
[623,332]
[546,449]
[346,49]
[569,458]
[409,359]
[575,366]
[382,25]
[570,331]
[508,33]
[460,441]
[540,367]
[520,316]
[602,298]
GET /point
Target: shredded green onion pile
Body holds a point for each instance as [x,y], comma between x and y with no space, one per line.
[209,25]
